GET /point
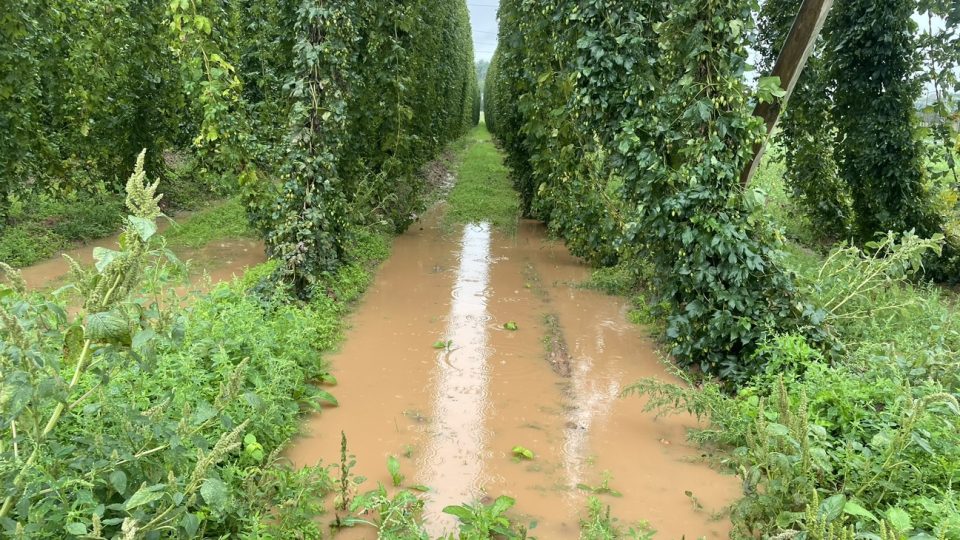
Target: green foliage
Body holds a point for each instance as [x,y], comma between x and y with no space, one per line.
[874,433]
[393,467]
[876,89]
[646,164]
[604,487]
[347,161]
[396,518]
[782,206]
[172,419]
[86,85]
[221,220]
[807,129]
[599,525]
[521,453]
[479,521]
[490,83]
[41,225]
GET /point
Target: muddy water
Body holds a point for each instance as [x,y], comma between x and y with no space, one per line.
[453,415]
[213,263]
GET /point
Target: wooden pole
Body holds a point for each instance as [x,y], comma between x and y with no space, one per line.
[790,62]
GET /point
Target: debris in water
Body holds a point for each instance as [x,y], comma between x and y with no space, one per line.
[557,353]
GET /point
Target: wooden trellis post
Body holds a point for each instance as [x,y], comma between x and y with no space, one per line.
[790,62]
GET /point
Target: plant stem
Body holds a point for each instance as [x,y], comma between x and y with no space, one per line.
[55,416]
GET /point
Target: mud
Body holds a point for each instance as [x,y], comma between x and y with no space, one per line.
[453,415]
[558,356]
[213,263]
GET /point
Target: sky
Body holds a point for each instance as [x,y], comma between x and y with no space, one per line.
[483,18]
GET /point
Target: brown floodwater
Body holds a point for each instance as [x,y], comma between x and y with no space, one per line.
[453,415]
[213,263]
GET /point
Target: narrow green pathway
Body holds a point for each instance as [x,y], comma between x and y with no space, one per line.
[483,191]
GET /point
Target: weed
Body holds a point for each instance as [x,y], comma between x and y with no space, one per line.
[175,417]
[599,525]
[347,482]
[480,522]
[396,518]
[393,467]
[604,487]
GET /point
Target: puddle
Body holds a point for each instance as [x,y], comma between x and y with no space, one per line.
[452,462]
[220,260]
[453,416]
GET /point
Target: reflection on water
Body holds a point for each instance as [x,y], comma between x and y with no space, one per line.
[452,416]
[452,463]
[590,394]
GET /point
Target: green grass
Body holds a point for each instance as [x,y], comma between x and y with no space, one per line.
[222,220]
[38,227]
[780,206]
[483,191]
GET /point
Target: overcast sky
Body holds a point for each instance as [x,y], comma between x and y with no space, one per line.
[483,17]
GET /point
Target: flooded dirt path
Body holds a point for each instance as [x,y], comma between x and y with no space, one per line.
[219,260]
[452,415]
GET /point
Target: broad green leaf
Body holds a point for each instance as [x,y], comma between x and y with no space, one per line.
[143,337]
[145,228]
[118,479]
[145,495]
[769,88]
[393,466]
[522,453]
[854,509]
[502,504]
[465,514]
[15,393]
[214,493]
[106,326]
[76,528]
[323,395]
[190,524]
[900,519]
[832,507]
[103,257]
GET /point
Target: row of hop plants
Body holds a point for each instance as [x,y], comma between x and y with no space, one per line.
[858,161]
[138,418]
[88,84]
[371,92]
[627,127]
[621,137]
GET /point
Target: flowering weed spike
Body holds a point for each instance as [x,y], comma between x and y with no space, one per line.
[142,200]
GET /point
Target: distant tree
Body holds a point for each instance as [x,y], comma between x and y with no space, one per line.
[483,66]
